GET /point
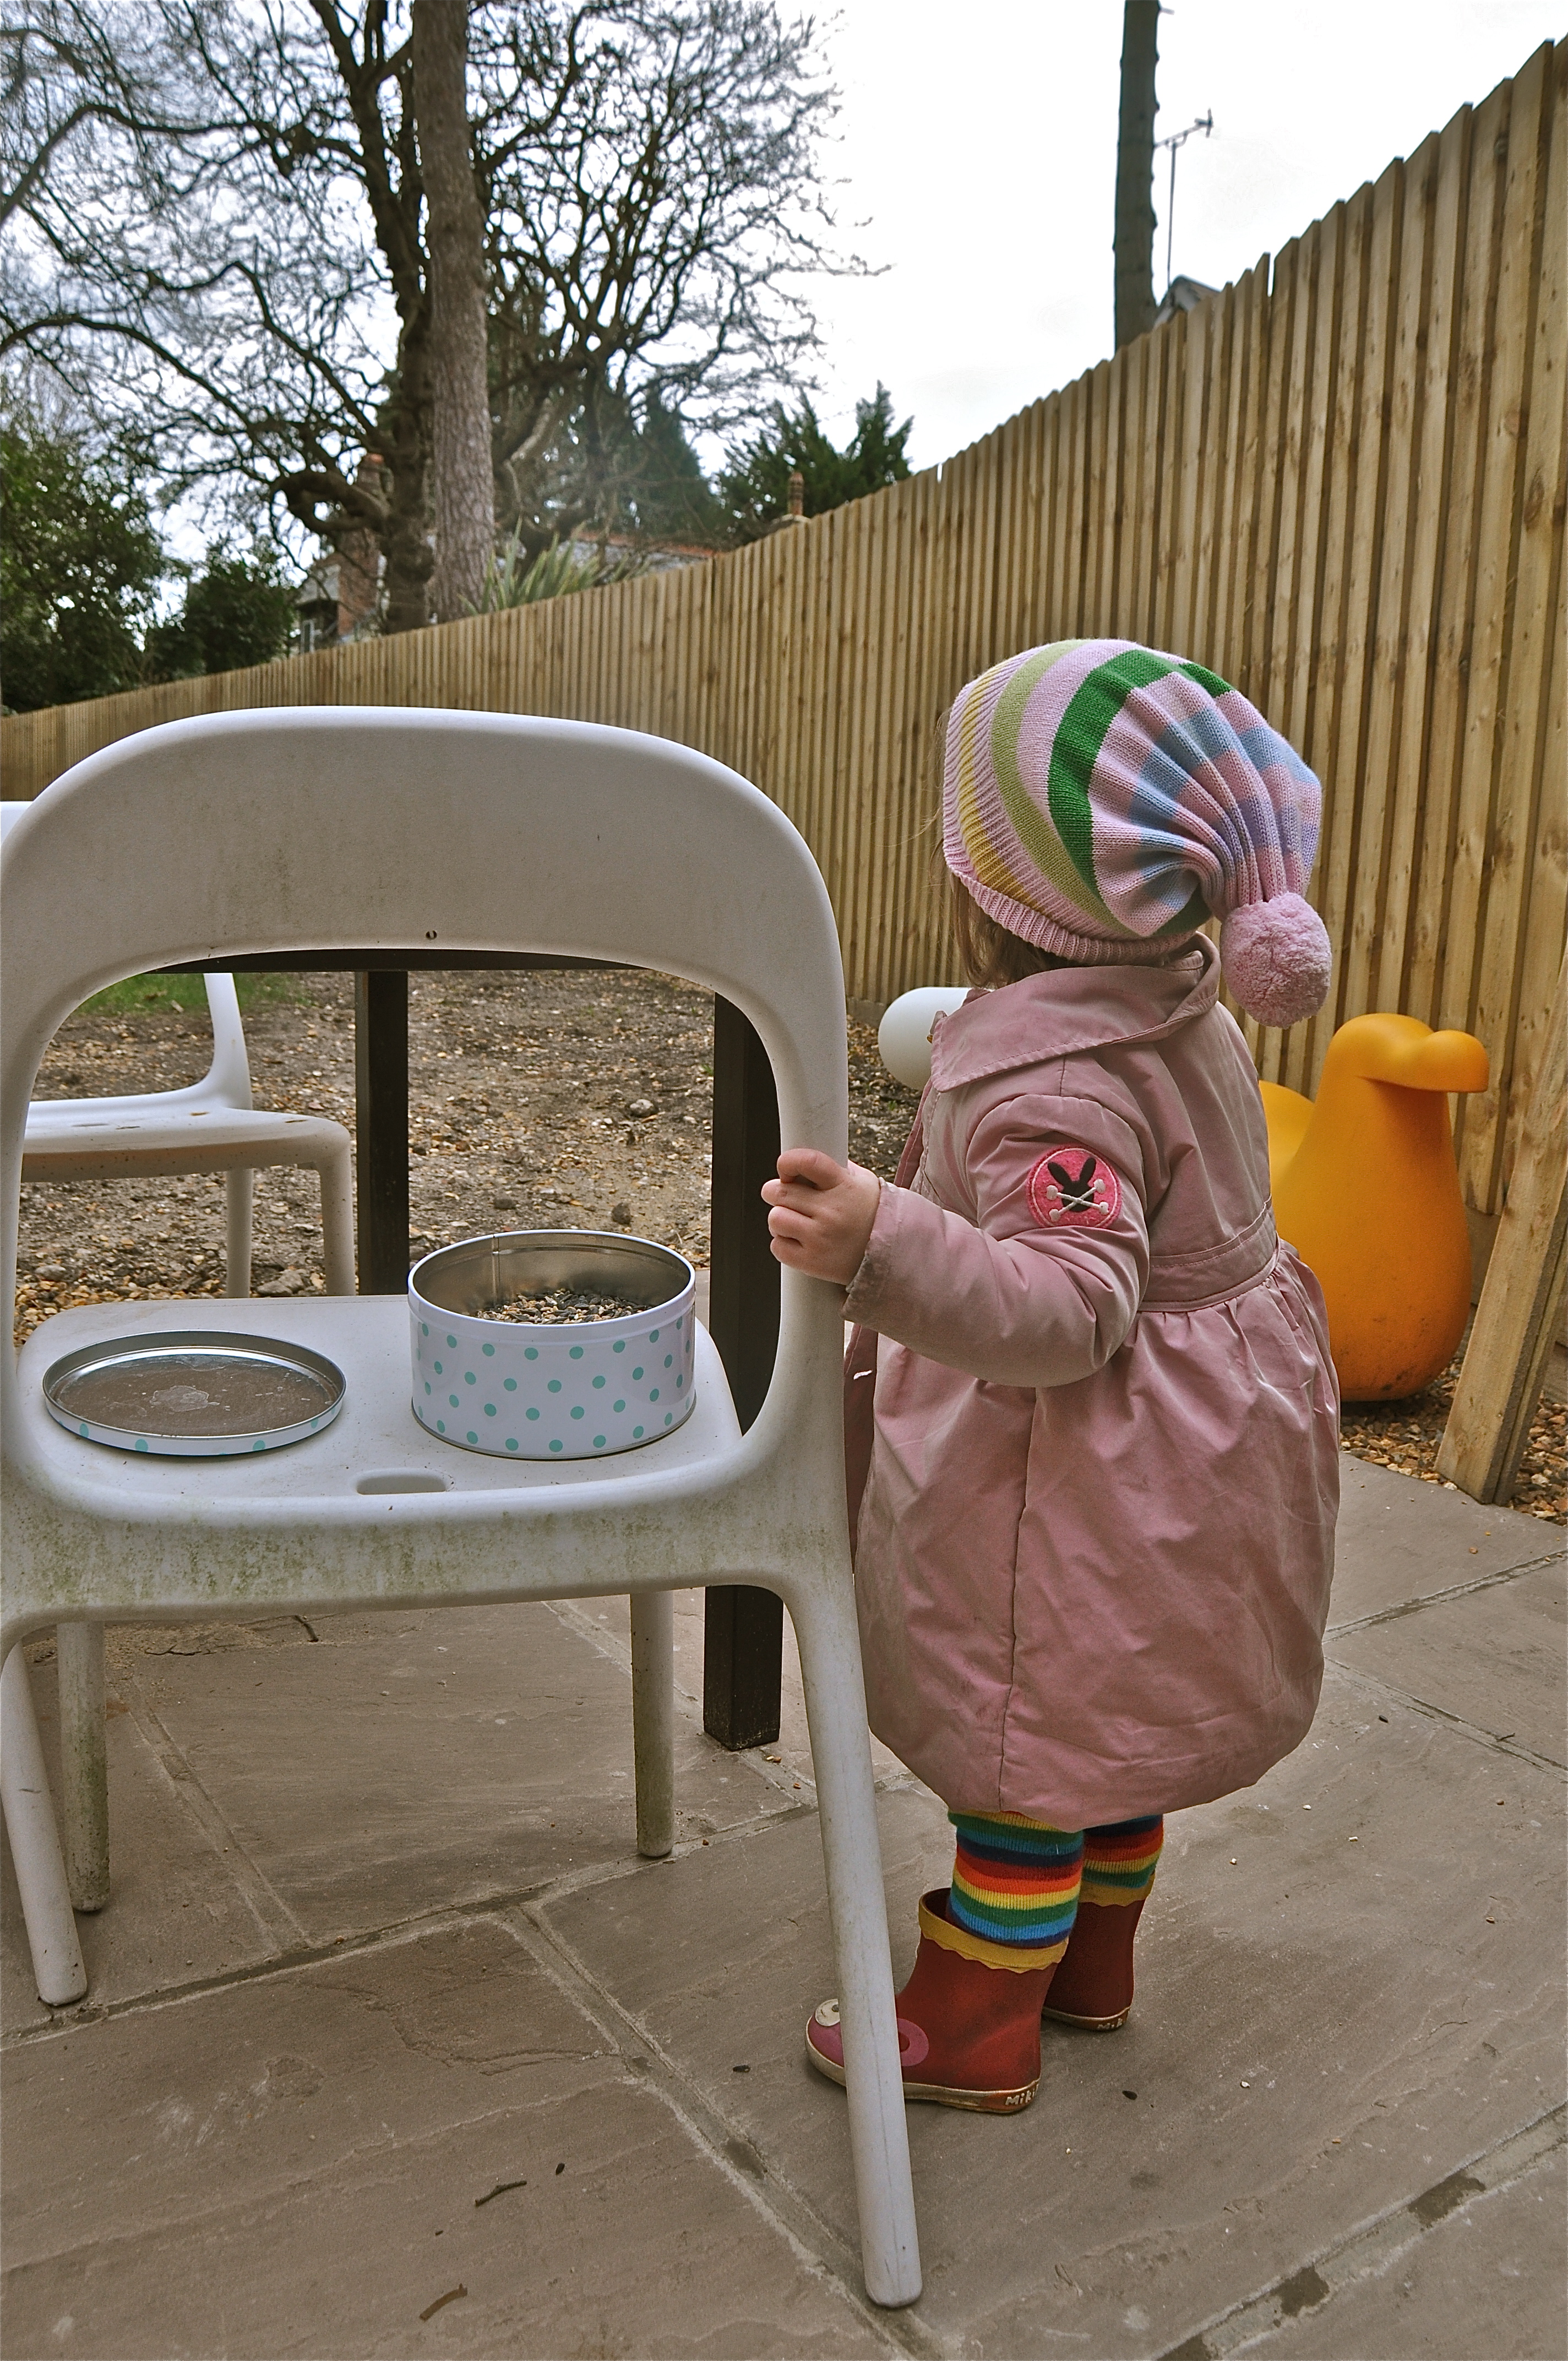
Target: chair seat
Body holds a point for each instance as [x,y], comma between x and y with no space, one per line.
[159,1138]
[375,1436]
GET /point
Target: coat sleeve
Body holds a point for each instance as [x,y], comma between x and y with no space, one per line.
[1041,1287]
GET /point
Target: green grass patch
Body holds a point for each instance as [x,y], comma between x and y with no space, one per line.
[138,996]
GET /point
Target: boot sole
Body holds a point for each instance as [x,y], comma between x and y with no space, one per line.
[975,2102]
[1089,2023]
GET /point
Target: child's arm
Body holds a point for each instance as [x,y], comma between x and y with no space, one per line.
[1034,1289]
[823,1213]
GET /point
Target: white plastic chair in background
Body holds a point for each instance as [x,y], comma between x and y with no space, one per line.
[210,1126]
[373,830]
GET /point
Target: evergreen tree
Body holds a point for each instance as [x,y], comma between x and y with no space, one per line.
[754,487]
[80,563]
[668,497]
[238,611]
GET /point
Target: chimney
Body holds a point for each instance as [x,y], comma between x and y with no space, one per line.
[359,559]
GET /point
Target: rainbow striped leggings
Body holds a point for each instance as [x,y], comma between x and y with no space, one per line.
[1019,1883]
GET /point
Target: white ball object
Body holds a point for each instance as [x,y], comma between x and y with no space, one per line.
[904,1036]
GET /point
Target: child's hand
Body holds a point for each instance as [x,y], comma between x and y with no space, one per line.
[822,1214]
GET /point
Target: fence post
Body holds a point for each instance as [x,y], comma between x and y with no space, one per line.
[1522,1306]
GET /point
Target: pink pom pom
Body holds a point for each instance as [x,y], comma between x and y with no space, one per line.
[1277,959]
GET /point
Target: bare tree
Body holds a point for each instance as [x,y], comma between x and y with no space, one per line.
[462,478]
[239,261]
[1136,305]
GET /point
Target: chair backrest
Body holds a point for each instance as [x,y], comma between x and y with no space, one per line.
[227,1079]
[382,828]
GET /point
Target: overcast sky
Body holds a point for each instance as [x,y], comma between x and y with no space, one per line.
[978,155]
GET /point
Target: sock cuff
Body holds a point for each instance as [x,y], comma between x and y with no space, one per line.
[1119,1862]
[1107,1896]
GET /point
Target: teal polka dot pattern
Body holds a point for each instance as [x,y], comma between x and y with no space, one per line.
[574,1392]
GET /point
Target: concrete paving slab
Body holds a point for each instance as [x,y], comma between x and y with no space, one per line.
[1492,1658]
[429,1761]
[306,2163]
[1490,2278]
[178,1914]
[1400,1539]
[1315,2017]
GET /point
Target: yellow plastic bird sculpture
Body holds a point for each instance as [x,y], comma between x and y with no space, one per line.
[1366,1190]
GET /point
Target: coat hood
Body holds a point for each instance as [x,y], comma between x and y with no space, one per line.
[1068,1009]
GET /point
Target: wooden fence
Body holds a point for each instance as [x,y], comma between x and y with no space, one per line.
[1340,483]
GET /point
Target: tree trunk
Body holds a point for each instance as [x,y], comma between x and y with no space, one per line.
[1135,304]
[402,430]
[461,479]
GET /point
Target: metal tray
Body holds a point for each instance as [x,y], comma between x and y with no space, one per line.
[192,1393]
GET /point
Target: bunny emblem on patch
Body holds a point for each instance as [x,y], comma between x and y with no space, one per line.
[1070,1189]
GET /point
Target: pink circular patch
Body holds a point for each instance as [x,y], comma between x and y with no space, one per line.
[1072,1189]
[913,2047]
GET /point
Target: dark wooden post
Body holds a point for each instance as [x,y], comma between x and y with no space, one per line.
[381,1118]
[743,1628]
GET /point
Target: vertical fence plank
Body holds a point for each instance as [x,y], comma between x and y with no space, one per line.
[1494,799]
[1357,843]
[1397,667]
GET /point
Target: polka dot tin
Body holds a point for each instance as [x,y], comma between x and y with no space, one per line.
[578,1389]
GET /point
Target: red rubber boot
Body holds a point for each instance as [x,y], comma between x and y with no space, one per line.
[1093,1985]
[968,2032]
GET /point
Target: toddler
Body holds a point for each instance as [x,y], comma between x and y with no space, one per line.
[1095,1511]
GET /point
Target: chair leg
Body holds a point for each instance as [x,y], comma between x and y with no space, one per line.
[34,1845]
[840,1754]
[654,1720]
[240,1191]
[84,1763]
[337,1224]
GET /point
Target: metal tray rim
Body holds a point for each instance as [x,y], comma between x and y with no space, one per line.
[148,1441]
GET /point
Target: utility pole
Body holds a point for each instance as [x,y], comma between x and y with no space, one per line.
[1135,304]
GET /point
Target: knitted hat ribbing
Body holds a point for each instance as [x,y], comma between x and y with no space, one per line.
[1103,800]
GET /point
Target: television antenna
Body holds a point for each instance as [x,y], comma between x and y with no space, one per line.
[1205,124]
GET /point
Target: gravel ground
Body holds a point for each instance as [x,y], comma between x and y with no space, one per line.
[536,1100]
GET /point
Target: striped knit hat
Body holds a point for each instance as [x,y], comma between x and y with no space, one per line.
[1103,801]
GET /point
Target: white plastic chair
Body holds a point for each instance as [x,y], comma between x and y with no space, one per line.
[365,828]
[210,1126]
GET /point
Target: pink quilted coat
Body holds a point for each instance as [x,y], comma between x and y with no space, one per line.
[1094,1545]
